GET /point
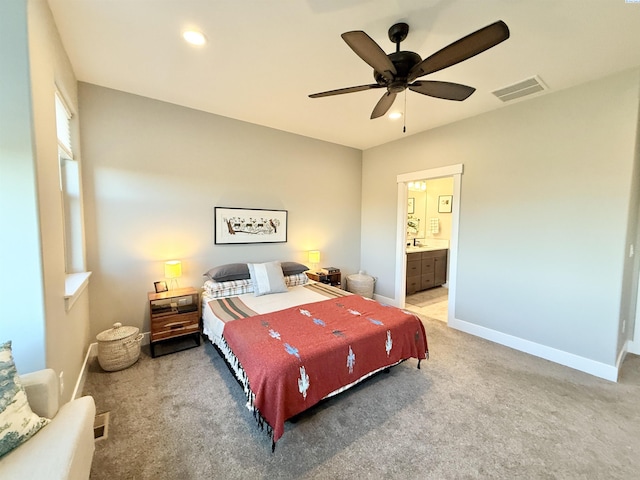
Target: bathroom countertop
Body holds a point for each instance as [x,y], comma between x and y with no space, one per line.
[426,248]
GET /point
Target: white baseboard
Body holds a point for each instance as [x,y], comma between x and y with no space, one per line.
[146,339]
[592,367]
[622,355]
[92,353]
[385,300]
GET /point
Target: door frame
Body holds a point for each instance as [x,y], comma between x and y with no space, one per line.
[454,171]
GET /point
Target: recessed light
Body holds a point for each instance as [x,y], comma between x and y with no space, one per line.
[194,37]
[395,115]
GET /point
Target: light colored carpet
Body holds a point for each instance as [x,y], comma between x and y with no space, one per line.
[474,410]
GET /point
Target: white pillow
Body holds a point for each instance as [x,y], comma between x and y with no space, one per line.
[267,278]
[17,422]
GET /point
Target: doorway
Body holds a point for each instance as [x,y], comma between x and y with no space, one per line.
[445,311]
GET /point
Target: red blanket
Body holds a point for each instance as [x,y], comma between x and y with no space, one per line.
[294,358]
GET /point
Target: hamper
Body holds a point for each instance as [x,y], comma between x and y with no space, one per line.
[361,284]
[118,347]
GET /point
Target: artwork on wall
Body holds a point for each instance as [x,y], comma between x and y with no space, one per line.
[245,225]
[444,203]
[411,207]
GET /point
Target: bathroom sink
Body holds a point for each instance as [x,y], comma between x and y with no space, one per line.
[429,246]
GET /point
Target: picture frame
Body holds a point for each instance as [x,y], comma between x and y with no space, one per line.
[160,286]
[249,225]
[444,203]
[411,205]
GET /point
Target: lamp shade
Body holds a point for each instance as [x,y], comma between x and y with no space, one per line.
[314,256]
[173,269]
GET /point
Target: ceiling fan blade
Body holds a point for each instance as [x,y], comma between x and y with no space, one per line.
[369,51]
[467,47]
[445,90]
[340,91]
[383,105]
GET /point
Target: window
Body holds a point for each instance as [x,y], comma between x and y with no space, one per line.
[70,191]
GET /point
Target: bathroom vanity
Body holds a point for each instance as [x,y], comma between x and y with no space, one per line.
[426,267]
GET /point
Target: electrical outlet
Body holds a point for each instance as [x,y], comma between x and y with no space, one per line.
[61,383]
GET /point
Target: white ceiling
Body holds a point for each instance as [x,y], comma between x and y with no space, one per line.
[264,58]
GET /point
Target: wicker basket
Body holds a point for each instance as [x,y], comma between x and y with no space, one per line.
[361,284]
[118,347]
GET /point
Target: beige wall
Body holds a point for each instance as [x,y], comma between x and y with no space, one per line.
[153,173]
[426,208]
[67,332]
[23,317]
[544,216]
[435,188]
[43,333]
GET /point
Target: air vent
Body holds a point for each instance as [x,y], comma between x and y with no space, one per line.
[521,89]
[101,426]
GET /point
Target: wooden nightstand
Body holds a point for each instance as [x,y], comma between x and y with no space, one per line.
[174,314]
[334,279]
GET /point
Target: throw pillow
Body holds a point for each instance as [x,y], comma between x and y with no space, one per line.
[17,422]
[267,278]
[293,268]
[229,272]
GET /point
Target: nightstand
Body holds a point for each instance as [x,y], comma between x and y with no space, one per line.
[174,314]
[334,279]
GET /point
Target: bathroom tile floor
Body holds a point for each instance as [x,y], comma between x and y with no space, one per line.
[431,303]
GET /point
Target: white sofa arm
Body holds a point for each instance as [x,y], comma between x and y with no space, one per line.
[42,389]
[61,450]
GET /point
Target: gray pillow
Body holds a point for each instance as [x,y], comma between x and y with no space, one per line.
[293,268]
[228,272]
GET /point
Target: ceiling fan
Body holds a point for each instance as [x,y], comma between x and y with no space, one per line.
[399,70]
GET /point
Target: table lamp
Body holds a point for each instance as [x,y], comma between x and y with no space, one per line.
[314,258]
[173,270]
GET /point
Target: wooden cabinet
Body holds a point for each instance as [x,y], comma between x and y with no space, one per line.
[426,270]
[440,268]
[414,272]
[174,314]
[333,279]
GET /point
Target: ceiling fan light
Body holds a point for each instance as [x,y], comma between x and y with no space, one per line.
[395,115]
[194,37]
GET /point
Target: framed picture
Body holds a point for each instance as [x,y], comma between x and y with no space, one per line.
[160,286]
[444,203]
[245,225]
[411,207]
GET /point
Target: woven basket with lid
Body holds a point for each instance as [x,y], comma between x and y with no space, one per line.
[118,347]
[361,284]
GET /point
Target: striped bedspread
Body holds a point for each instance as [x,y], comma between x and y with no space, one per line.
[233,308]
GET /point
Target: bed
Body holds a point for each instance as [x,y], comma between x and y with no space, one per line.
[292,342]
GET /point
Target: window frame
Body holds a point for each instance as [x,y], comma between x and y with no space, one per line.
[71,198]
